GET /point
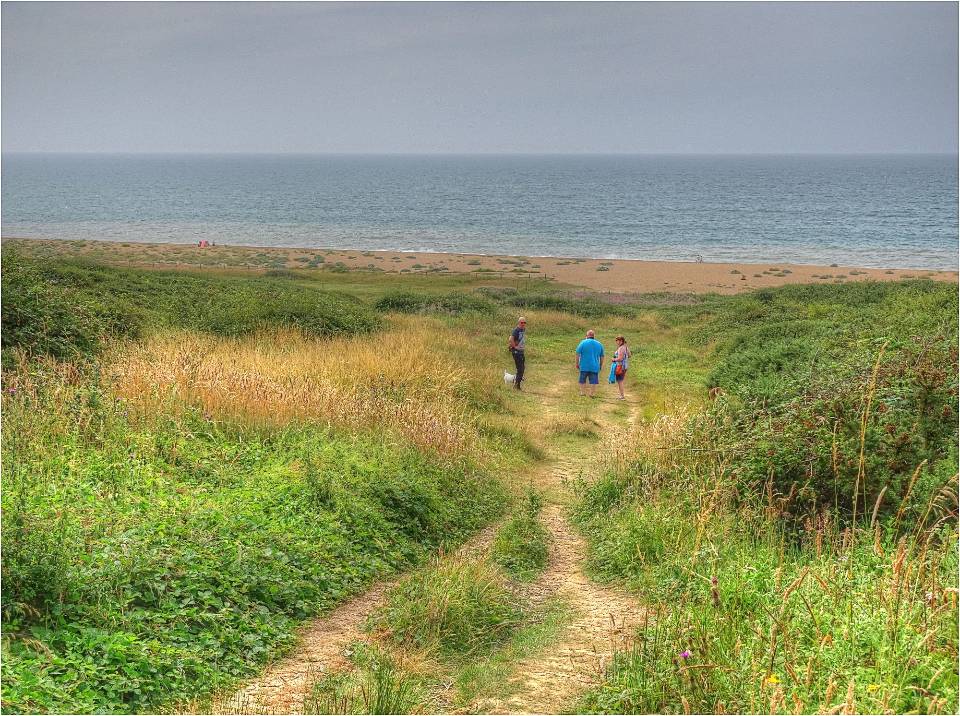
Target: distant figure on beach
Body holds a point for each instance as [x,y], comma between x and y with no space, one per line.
[621,361]
[589,363]
[517,345]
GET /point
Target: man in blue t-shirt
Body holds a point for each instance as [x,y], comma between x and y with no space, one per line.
[589,362]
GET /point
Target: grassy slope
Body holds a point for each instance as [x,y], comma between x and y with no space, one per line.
[465,601]
[259,472]
[153,551]
[182,551]
[163,538]
[761,599]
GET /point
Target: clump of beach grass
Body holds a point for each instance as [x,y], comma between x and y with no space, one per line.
[377,684]
[522,544]
[458,606]
[578,426]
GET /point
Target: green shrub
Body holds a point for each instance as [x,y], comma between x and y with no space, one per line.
[820,375]
[283,273]
[586,306]
[451,303]
[65,309]
[40,316]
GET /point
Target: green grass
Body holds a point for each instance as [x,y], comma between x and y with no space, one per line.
[522,544]
[375,685]
[586,306]
[458,606]
[67,309]
[150,560]
[450,303]
[797,538]
[488,676]
[746,619]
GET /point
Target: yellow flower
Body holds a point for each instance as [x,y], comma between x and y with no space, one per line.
[773,679]
[873,687]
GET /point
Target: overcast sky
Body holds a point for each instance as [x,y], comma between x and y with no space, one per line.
[472,77]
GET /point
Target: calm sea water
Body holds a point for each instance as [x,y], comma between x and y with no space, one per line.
[880,211]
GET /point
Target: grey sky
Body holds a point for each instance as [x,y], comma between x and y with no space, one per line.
[459,77]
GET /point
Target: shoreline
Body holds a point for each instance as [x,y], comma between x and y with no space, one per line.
[620,275]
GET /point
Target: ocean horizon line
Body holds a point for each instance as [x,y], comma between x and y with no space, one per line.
[81,153]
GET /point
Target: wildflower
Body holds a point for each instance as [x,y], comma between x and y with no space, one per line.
[873,687]
[773,679]
[685,654]
[11,390]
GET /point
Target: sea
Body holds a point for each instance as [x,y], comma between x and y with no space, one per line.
[884,211]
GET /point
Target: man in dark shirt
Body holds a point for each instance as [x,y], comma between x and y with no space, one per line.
[517,344]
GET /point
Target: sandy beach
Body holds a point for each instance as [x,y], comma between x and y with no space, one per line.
[620,275]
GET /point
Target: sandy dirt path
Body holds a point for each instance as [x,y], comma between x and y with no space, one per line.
[603,618]
[321,649]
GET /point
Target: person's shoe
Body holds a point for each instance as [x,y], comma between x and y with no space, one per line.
[622,397]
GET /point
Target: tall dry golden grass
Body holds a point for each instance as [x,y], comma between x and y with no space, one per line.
[406,381]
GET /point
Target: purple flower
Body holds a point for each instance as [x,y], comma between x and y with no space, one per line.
[11,390]
[685,654]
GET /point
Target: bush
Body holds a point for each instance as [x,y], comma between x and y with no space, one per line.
[451,303]
[824,374]
[42,317]
[65,309]
[586,307]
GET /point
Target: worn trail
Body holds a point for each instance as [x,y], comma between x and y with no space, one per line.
[603,618]
[321,649]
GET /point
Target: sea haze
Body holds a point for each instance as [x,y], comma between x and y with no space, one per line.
[896,211]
